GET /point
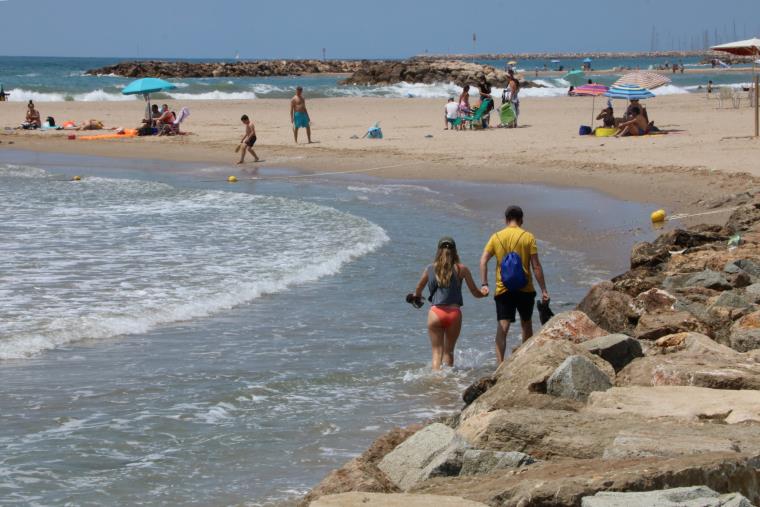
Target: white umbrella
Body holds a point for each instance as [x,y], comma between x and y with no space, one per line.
[749,47]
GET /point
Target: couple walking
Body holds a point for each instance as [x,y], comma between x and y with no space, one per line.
[514,292]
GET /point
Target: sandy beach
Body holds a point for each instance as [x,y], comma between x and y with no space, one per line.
[708,151]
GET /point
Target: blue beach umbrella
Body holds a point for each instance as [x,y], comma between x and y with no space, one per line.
[146,86]
[587,60]
[628,92]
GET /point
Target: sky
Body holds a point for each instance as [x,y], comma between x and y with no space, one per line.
[361,28]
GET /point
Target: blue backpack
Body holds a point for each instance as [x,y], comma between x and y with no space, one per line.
[512,272]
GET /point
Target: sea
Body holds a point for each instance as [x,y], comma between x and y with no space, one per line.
[170,338]
[63,79]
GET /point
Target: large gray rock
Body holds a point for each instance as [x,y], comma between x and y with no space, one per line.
[753,292]
[576,378]
[477,462]
[732,299]
[434,451]
[749,266]
[745,333]
[706,279]
[694,496]
[616,349]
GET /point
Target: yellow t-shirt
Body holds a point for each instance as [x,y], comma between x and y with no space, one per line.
[512,239]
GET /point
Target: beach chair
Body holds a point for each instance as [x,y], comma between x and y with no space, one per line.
[507,116]
[173,129]
[477,116]
[726,95]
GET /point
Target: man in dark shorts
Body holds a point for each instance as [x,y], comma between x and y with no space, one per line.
[513,238]
[248,140]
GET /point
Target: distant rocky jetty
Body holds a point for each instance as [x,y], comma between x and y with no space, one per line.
[646,394]
[364,72]
[260,68]
[428,72]
[568,55]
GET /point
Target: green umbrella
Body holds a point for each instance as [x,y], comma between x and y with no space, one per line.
[146,86]
[575,77]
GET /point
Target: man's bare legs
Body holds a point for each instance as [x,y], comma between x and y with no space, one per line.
[502,330]
[308,134]
[250,150]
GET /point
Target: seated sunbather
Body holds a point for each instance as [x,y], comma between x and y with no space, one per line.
[629,115]
[608,117]
[155,114]
[166,118]
[637,126]
[33,120]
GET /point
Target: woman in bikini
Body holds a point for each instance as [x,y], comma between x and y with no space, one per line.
[444,281]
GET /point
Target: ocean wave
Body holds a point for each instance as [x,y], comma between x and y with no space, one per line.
[670,89]
[213,95]
[99,95]
[128,256]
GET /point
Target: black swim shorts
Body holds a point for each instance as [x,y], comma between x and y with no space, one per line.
[509,303]
[251,141]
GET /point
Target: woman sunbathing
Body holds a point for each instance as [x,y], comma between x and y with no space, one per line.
[33,120]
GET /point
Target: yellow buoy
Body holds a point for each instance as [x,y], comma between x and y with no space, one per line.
[232,179]
[658,216]
[76,178]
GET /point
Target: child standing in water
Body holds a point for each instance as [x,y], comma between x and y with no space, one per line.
[444,281]
[248,140]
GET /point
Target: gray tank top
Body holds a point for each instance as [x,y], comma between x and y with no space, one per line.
[441,296]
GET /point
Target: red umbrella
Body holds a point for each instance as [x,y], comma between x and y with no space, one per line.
[591,90]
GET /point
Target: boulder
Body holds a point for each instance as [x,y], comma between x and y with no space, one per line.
[434,451]
[521,380]
[693,496]
[478,462]
[638,280]
[567,482]
[576,378]
[749,266]
[652,326]
[609,308]
[744,218]
[477,388]
[654,300]
[574,326]
[731,299]
[692,359]
[616,349]
[752,292]
[362,474]
[393,500]
[659,251]
[688,403]
[745,333]
[707,279]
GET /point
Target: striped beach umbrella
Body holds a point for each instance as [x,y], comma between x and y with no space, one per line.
[628,92]
[648,80]
[591,90]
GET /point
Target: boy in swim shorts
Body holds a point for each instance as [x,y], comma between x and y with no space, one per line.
[248,140]
[299,116]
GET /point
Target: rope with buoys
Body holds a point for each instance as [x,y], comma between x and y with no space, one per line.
[660,216]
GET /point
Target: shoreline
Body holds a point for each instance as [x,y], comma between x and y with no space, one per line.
[698,162]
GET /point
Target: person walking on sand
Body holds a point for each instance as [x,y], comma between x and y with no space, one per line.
[443,279]
[299,116]
[248,140]
[517,295]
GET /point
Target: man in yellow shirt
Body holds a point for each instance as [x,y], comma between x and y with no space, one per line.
[513,238]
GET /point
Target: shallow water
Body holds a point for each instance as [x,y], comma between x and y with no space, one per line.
[173,340]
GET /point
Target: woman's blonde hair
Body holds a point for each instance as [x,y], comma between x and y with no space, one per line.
[444,265]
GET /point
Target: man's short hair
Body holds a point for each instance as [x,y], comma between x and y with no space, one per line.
[244,117]
[514,214]
[299,88]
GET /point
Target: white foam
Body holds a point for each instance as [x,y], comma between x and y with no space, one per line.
[101,96]
[214,95]
[670,89]
[21,95]
[132,255]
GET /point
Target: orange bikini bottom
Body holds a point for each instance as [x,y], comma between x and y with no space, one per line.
[446,315]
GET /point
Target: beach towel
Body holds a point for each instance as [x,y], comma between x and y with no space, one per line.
[183,114]
[127,133]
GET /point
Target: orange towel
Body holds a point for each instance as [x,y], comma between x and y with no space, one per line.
[127,133]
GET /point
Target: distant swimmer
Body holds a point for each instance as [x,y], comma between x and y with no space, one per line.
[299,116]
[443,279]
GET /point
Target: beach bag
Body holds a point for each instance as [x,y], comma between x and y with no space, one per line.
[512,272]
[51,121]
[585,130]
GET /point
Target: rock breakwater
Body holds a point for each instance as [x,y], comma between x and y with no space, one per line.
[651,384]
